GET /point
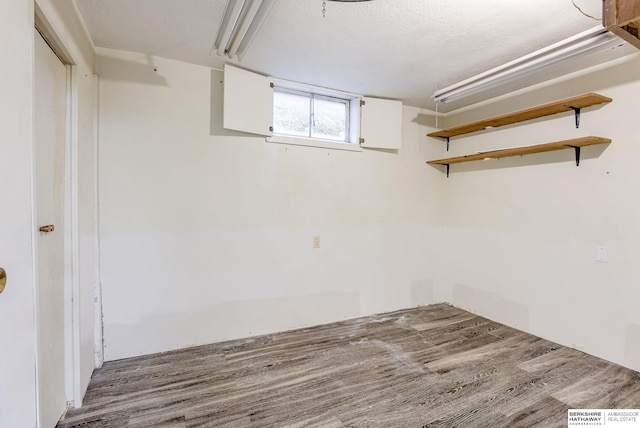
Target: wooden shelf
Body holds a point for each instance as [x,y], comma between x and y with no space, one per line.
[622,17]
[574,103]
[575,143]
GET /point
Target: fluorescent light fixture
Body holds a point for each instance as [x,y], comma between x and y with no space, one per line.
[582,44]
[240,23]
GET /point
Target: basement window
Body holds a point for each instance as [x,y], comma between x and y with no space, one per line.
[308,115]
[304,115]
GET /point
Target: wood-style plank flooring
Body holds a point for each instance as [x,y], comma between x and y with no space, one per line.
[434,366]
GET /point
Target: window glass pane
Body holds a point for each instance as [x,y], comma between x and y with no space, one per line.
[291,114]
[329,119]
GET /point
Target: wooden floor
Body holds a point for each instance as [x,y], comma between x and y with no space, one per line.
[434,366]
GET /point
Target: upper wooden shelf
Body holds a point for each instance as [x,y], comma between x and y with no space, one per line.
[575,143]
[574,103]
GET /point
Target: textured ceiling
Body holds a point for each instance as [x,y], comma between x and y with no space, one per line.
[400,49]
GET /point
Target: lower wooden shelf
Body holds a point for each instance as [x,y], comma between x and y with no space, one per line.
[575,143]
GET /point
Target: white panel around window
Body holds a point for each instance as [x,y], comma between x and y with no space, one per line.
[248,101]
[381,125]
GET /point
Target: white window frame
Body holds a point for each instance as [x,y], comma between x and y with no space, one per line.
[352,131]
[312,97]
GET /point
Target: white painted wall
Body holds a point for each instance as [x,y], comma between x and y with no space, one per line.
[522,232]
[17,326]
[209,237]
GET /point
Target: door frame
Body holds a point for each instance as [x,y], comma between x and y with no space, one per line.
[72,376]
[50,146]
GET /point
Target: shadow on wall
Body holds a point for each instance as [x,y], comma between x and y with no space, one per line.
[431,120]
[618,72]
[625,70]
[130,71]
[461,119]
[492,306]
[422,292]
[379,150]
[632,346]
[228,321]
[568,156]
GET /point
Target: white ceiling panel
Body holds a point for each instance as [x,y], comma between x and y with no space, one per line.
[400,49]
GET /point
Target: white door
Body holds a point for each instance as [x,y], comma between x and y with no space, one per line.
[50,118]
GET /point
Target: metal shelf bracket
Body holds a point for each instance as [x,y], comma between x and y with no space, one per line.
[577,112]
[577,149]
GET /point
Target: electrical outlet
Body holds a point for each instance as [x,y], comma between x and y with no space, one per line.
[602,254]
[316,242]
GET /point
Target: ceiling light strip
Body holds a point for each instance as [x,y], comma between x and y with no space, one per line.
[582,44]
[240,23]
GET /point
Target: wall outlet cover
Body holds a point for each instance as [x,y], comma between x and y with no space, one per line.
[602,254]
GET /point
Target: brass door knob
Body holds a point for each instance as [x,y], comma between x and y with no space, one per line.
[3,280]
[48,228]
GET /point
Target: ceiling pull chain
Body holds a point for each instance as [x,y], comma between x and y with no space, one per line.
[324,8]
